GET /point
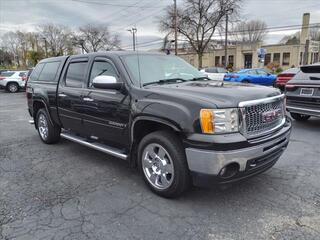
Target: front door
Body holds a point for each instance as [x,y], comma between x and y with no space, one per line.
[247,60]
[70,95]
[106,111]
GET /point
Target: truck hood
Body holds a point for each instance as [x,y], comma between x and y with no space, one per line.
[222,94]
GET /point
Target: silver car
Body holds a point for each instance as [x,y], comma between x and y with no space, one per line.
[13,81]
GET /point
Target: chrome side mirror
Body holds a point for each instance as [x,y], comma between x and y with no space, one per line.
[106,82]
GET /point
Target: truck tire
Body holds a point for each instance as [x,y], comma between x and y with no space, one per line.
[12,87]
[299,117]
[162,162]
[48,133]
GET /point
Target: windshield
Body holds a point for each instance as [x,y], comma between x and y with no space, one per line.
[154,68]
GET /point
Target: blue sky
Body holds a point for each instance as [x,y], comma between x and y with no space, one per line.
[25,15]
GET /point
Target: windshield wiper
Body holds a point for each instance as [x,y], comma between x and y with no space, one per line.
[199,78]
[162,81]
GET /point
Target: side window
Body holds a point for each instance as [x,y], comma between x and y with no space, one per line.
[22,74]
[252,72]
[76,74]
[102,68]
[49,71]
[36,72]
[262,73]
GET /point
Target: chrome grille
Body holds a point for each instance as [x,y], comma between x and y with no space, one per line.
[261,118]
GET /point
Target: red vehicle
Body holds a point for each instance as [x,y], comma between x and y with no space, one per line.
[284,77]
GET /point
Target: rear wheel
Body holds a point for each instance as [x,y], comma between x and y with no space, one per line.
[12,87]
[299,117]
[162,161]
[47,132]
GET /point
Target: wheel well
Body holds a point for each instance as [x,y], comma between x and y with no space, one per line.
[143,128]
[13,83]
[37,105]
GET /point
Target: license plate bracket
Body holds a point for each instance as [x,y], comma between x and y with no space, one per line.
[306,91]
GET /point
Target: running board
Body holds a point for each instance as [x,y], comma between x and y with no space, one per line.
[97,146]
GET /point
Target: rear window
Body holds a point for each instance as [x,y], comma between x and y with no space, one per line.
[49,71]
[36,72]
[22,74]
[76,74]
[211,70]
[7,74]
[292,70]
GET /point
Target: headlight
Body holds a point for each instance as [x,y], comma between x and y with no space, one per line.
[219,120]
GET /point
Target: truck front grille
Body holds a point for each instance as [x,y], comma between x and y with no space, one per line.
[263,118]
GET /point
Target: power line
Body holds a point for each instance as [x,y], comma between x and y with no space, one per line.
[275,29]
[111,4]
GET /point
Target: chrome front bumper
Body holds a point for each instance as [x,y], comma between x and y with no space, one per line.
[211,162]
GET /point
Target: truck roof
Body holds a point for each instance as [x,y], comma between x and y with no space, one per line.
[106,53]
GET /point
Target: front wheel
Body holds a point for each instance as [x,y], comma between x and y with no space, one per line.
[299,117]
[12,87]
[48,133]
[162,161]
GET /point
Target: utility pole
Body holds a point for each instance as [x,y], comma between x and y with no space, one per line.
[133,31]
[230,11]
[306,52]
[175,28]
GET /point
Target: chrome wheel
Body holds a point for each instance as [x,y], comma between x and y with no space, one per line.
[43,126]
[13,88]
[157,166]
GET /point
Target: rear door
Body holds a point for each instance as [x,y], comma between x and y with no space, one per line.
[70,94]
[106,111]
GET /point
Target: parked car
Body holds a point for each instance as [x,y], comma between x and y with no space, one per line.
[215,73]
[13,81]
[160,114]
[303,93]
[2,71]
[255,76]
[284,77]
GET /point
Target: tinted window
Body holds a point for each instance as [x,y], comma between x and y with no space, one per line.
[76,74]
[49,71]
[7,74]
[22,74]
[102,68]
[36,72]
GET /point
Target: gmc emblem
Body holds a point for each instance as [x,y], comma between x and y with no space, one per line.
[268,117]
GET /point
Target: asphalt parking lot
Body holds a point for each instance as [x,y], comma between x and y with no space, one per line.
[67,191]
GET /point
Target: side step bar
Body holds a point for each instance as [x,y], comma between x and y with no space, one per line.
[97,146]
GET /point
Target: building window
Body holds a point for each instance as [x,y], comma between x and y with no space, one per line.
[316,57]
[276,58]
[217,61]
[267,59]
[286,59]
[301,58]
[223,60]
[231,60]
[192,61]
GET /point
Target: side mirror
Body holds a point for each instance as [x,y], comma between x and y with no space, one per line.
[106,82]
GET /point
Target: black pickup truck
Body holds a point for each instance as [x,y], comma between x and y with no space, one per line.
[160,114]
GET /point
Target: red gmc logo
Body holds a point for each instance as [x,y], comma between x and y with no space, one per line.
[268,117]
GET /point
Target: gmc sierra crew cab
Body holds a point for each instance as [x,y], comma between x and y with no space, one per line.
[160,114]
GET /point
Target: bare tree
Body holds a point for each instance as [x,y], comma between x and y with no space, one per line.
[252,31]
[13,42]
[197,21]
[57,38]
[95,38]
[314,34]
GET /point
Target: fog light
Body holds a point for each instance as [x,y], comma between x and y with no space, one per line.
[230,170]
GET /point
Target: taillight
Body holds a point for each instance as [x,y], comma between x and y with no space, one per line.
[24,78]
[1,78]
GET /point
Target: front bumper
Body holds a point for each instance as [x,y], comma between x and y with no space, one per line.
[258,156]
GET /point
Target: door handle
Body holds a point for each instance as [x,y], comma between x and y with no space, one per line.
[62,95]
[87,99]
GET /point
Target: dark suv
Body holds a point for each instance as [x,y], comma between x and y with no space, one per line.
[303,93]
[161,114]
